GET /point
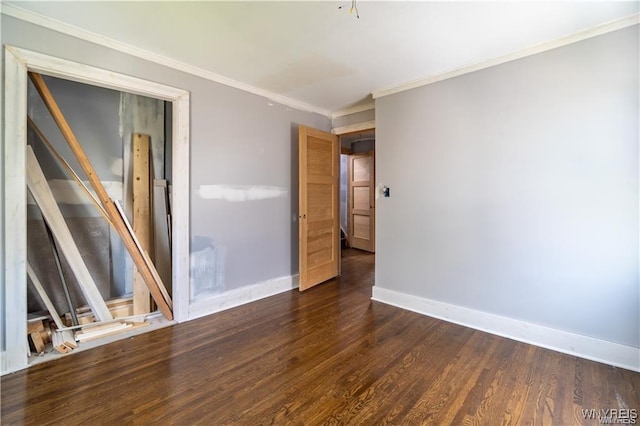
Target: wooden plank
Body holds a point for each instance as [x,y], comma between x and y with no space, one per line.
[126,301]
[162,249]
[34,326]
[41,192]
[98,332]
[105,333]
[38,343]
[118,310]
[44,296]
[155,285]
[141,216]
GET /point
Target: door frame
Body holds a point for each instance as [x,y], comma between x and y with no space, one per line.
[350,130]
[18,62]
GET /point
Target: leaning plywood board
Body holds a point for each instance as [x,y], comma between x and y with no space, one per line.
[161,231]
[141,217]
[143,254]
[41,192]
[156,287]
[91,237]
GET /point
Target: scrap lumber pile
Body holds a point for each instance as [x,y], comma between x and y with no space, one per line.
[99,318]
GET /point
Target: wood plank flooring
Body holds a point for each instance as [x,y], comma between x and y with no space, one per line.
[326,356]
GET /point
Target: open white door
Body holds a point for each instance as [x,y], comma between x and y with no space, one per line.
[319,217]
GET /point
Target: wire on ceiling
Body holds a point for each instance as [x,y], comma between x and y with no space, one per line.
[354,7]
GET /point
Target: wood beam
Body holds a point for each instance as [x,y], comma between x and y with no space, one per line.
[141,216]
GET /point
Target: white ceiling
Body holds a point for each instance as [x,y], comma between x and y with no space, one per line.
[315,53]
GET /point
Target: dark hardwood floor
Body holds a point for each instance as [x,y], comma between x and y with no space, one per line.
[327,356]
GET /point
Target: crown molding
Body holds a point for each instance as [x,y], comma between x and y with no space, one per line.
[73,31]
[357,127]
[539,48]
[354,110]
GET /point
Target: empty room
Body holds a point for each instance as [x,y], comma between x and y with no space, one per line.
[322,212]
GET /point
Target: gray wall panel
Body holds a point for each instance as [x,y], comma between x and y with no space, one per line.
[514,190]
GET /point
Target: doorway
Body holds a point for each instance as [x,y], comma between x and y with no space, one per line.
[319,228]
[17,63]
[357,190]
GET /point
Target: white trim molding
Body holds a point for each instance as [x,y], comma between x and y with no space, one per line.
[539,48]
[354,110]
[357,127]
[17,63]
[73,31]
[14,356]
[241,296]
[615,354]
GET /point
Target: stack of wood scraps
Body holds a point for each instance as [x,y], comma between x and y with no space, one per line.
[39,332]
[97,331]
[119,308]
[63,341]
[43,330]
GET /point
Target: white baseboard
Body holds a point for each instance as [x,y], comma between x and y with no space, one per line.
[241,296]
[615,354]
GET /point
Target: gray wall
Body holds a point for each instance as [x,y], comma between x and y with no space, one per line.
[237,139]
[514,190]
[360,147]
